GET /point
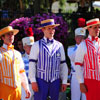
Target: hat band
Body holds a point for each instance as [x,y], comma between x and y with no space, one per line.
[91,23]
[46,24]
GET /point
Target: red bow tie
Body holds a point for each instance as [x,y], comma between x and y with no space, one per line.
[10,47]
[95,38]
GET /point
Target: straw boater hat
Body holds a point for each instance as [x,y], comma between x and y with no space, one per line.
[92,22]
[48,22]
[80,31]
[7,30]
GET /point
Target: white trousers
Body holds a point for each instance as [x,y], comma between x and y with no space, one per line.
[75,89]
[23,94]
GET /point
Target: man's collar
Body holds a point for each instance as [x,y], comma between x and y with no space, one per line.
[8,47]
[93,38]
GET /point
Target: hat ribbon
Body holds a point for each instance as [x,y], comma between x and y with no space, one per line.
[45,24]
[94,22]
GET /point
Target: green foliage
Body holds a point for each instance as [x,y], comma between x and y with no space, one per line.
[62,4]
[41,6]
[26,3]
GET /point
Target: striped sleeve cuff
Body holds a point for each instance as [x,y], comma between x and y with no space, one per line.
[21,71]
[32,60]
[78,63]
[81,80]
[64,82]
[33,80]
[64,61]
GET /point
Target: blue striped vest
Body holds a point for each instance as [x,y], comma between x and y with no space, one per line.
[48,64]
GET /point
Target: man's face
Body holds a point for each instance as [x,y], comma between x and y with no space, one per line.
[27,49]
[8,38]
[49,32]
[79,39]
[20,45]
[94,30]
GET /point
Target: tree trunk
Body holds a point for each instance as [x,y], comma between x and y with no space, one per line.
[21,5]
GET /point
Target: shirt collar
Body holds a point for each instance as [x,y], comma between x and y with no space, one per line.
[6,46]
[90,37]
[26,55]
[76,45]
[45,39]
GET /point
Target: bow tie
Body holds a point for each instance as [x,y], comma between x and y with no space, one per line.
[10,47]
[50,41]
[95,38]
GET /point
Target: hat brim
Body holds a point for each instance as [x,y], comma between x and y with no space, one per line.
[90,25]
[55,25]
[15,31]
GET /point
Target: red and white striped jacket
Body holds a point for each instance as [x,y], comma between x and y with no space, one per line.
[88,56]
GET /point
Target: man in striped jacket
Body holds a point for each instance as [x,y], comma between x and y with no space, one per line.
[47,64]
[12,73]
[88,56]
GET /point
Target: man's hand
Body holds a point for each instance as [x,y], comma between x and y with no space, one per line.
[35,87]
[28,94]
[83,88]
[63,87]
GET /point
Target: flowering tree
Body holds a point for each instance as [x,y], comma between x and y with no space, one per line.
[34,22]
